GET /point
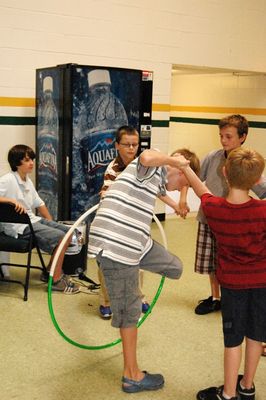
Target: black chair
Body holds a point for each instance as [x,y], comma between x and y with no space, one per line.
[13,245]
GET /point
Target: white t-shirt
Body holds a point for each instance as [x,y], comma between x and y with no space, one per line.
[12,186]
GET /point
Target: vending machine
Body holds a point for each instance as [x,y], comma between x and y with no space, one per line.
[78,110]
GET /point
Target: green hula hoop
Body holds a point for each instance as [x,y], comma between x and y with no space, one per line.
[50,282]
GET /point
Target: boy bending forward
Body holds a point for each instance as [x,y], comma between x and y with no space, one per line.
[120,238]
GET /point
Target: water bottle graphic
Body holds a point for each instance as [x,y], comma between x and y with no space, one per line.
[48,125]
[104,114]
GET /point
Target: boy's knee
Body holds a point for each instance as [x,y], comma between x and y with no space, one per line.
[179,271]
[176,269]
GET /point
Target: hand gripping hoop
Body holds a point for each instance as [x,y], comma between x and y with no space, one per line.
[50,282]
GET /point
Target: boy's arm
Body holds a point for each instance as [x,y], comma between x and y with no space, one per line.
[173,204]
[183,206]
[43,211]
[154,158]
[108,179]
[5,186]
[18,207]
[197,185]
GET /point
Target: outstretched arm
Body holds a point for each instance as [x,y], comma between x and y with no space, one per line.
[154,158]
[170,202]
[197,185]
[183,205]
[174,205]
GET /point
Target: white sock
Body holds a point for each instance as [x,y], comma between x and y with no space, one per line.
[226,396]
[216,298]
[241,385]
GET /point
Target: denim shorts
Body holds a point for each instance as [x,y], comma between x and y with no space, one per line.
[122,282]
[244,315]
[48,234]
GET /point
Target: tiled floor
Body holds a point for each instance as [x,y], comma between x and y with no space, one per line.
[37,363]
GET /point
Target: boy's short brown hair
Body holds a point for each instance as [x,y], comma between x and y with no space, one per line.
[236,120]
[17,153]
[244,168]
[125,130]
[193,159]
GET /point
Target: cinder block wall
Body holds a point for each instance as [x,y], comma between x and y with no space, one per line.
[150,35]
[199,100]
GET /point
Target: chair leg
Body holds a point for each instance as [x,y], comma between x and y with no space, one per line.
[27,279]
[28,266]
[41,259]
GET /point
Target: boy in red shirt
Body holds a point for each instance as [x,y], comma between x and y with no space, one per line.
[239,226]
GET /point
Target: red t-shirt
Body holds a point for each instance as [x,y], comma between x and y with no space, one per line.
[240,232]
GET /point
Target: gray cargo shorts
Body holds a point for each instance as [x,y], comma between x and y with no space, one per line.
[122,282]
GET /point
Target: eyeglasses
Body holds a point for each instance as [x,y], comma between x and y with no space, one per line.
[128,145]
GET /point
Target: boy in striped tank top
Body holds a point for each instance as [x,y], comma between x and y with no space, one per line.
[120,239]
[126,144]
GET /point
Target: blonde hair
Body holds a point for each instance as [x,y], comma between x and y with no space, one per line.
[244,168]
[189,155]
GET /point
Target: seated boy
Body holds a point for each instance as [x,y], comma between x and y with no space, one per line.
[120,238]
[17,188]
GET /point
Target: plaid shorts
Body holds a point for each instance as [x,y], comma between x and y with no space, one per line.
[206,252]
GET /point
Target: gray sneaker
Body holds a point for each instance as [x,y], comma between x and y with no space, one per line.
[65,285]
[149,382]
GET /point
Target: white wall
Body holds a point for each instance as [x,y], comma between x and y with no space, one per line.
[213,96]
[150,35]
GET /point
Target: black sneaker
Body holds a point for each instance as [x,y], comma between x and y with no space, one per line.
[245,393]
[213,393]
[207,306]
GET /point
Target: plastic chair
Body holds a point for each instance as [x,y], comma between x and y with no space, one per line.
[13,245]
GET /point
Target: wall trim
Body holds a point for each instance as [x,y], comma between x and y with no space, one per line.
[17,102]
[17,120]
[208,121]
